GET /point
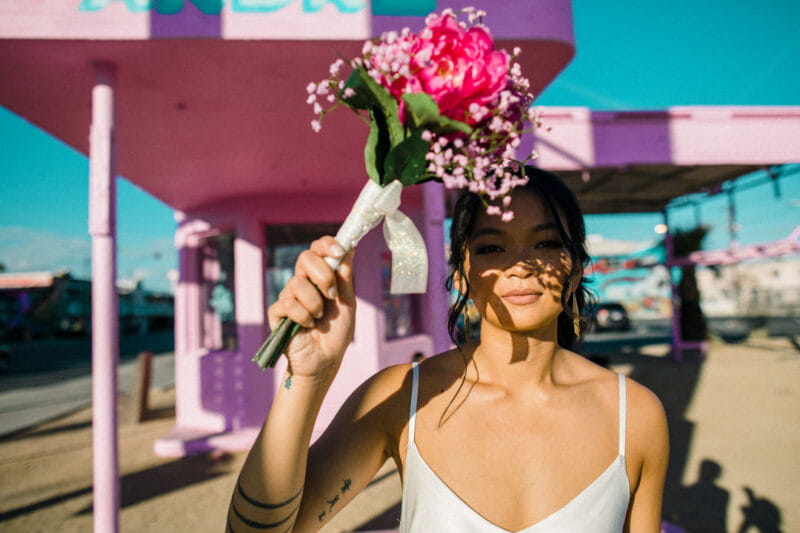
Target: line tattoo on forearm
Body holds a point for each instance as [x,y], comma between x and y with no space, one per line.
[265,505]
[263,525]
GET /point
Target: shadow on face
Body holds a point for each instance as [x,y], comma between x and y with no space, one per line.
[517,270]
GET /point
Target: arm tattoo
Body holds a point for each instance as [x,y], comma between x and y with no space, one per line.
[333,502]
[263,525]
[265,505]
[288,383]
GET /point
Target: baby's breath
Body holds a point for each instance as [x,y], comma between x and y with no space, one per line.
[484,161]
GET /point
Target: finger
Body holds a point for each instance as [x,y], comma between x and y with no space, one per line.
[327,246]
[307,294]
[294,310]
[313,266]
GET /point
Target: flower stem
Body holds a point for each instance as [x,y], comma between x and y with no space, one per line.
[269,352]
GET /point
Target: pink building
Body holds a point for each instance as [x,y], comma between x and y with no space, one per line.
[201,103]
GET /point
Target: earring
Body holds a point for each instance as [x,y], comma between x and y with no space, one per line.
[467,331]
[576,316]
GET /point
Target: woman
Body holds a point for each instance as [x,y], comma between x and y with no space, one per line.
[511,432]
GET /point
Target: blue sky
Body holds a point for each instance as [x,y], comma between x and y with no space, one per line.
[630,55]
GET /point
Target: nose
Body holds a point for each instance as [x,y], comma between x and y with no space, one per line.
[521,268]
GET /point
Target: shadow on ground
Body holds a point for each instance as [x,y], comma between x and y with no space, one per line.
[144,485]
[701,506]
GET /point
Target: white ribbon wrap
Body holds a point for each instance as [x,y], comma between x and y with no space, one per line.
[409,256]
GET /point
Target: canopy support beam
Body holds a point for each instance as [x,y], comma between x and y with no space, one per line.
[105,322]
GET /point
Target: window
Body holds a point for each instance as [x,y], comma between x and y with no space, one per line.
[217,292]
[399,310]
[284,243]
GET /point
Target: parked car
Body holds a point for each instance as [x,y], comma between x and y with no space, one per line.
[608,316]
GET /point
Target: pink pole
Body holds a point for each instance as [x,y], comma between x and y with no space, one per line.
[435,312]
[105,324]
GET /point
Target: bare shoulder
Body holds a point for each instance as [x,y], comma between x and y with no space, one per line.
[386,387]
[645,408]
[645,415]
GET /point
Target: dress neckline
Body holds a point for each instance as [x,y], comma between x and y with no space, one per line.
[618,460]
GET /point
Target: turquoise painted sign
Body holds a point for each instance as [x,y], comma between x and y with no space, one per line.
[408,8]
[214,7]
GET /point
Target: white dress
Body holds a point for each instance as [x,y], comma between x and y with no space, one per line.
[430,506]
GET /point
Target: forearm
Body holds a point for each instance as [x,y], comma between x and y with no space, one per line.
[269,489]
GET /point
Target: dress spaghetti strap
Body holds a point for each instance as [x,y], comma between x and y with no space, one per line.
[412,410]
[622,414]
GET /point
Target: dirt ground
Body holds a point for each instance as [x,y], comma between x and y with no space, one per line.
[734,421]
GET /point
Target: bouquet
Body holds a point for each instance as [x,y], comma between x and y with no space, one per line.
[442,105]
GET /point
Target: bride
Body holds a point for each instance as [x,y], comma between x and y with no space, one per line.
[510,432]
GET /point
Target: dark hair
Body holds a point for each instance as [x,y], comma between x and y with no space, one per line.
[559,200]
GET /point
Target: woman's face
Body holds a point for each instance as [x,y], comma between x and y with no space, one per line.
[517,270]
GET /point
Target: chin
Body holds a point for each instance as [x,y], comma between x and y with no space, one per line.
[527,325]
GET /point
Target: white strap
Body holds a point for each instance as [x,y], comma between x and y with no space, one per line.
[622,413]
[412,413]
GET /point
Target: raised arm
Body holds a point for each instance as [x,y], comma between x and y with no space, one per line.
[274,491]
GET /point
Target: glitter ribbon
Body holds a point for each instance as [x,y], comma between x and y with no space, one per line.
[409,256]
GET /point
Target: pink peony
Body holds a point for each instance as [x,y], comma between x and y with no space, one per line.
[456,64]
[458,67]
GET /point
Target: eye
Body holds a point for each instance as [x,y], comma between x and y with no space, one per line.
[487,249]
[550,244]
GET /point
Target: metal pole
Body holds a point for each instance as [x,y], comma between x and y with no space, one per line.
[105,323]
[677,340]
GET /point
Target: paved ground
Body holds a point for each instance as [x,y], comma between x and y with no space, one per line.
[734,420]
[33,398]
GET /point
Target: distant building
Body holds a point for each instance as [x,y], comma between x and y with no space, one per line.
[764,288]
[631,273]
[46,304]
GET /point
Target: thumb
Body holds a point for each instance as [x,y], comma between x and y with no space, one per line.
[344,280]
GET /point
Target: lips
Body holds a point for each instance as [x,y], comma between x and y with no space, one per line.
[521,296]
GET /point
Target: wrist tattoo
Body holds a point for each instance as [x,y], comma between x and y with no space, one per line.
[288,383]
[345,485]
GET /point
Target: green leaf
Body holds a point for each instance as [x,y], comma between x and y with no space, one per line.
[377,147]
[421,109]
[423,112]
[406,161]
[381,98]
[362,99]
